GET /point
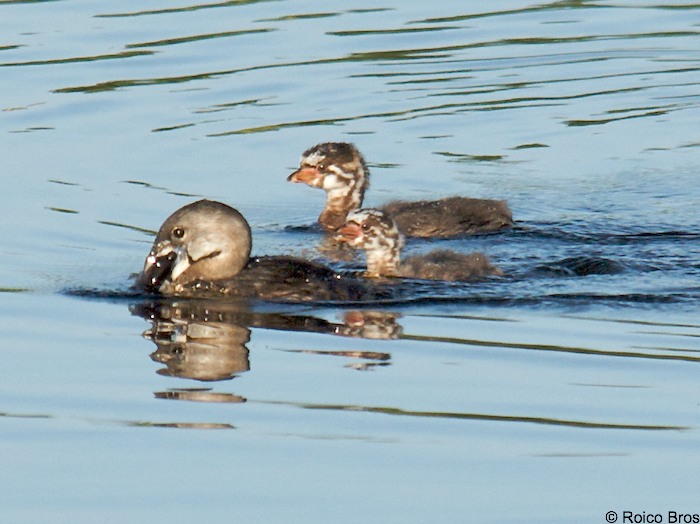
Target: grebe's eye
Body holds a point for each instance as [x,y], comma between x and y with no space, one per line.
[365,226]
[321,167]
[178,232]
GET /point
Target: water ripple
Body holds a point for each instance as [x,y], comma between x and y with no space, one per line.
[185,9]
[494,418]
[78,59]
[197,38]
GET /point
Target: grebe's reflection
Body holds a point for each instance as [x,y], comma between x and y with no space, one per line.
[206,340]
[200,395]
[195,342]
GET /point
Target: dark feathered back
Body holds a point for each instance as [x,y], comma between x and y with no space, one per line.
[449,217]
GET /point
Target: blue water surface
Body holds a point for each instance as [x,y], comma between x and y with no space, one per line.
[544,396]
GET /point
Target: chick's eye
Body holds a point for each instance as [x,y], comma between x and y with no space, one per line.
[321,167]
[365,226]
[178,232]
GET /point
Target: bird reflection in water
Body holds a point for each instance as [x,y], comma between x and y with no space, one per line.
[377,325]
[197,344]
[206,340]
[200,395]
[368,324]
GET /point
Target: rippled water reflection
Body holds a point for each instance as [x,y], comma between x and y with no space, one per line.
[521,399]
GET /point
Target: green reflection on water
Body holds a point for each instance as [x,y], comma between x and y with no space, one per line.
[602,121]
[196,38]
[127,226]
[230,3]
[389,31]
[24,415]
[62,210]
[96,58]
[549,347]
[462,157]
[494,418]
[10,2]
[308,16]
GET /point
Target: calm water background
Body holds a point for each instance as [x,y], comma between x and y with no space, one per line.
[542,397]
